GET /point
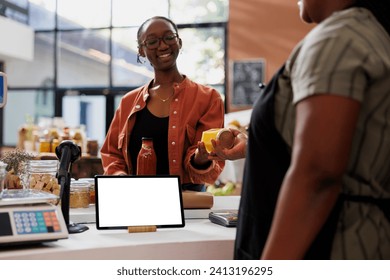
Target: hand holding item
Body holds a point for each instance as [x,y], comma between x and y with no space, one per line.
[201,155]
[223,135]
[236,151]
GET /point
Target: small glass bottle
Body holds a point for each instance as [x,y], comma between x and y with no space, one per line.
[92,148]
[54,145]
[44,146]
[146,160]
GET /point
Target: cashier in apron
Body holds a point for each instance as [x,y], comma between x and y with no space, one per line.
[269,158]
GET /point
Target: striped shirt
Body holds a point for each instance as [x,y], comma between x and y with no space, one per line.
[348,54]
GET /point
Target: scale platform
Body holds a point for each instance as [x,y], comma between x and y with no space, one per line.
[27,217]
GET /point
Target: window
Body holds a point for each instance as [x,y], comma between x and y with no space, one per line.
[15,9]
[38,73]
[74,14]
[29,107]
[86,111]
[85,58]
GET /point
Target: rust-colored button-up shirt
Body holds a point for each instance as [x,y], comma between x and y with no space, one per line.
[194,108]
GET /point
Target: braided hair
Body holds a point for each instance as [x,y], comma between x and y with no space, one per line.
[379,8]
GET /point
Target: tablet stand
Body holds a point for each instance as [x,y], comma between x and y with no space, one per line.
[134,229]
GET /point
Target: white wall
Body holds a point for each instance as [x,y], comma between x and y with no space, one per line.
[17,40]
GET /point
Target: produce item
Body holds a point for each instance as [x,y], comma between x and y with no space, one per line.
[234,124]
[237,125]
[228,188]
[220,189]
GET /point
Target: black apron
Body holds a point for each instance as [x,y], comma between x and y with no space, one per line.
[267,161]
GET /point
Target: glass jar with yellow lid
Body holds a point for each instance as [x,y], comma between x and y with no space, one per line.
[224,135]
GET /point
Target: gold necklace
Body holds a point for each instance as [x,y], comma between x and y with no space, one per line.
[166,99]
[156,93]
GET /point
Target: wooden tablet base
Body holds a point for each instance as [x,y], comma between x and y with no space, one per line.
[141,229]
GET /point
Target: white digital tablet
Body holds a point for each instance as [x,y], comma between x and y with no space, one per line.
[125,201]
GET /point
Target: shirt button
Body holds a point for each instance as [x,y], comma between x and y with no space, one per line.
[175,112]
[174,161]
[176,99]
[173,126]
[137,106]
[173,143]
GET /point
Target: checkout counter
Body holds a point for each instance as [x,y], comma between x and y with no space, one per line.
[200,239]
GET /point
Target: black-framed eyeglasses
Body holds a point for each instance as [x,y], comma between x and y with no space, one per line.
[154,43]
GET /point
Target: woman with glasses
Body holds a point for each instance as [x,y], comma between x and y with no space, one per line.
[171,109]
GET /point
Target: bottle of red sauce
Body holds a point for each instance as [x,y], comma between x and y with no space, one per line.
[146,160]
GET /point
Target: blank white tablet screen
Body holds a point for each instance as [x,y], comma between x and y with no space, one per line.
[138,201]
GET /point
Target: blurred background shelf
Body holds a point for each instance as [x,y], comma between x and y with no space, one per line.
[85,167]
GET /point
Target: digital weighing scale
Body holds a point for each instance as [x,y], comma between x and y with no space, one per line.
[26,216]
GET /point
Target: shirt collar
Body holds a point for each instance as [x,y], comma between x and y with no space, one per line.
[145,90]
